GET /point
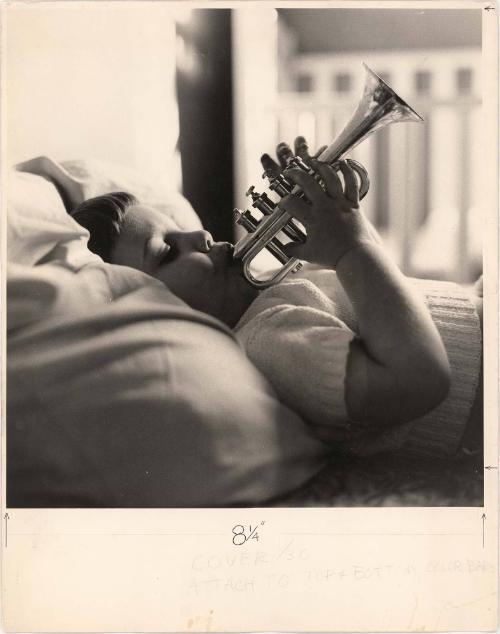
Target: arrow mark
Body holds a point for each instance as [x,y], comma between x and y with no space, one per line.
[6,518]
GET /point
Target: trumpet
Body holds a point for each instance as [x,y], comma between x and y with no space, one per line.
[378,107]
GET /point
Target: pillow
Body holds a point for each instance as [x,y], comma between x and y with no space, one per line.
[38,226]
[40,230]
[141,402]
[98,177]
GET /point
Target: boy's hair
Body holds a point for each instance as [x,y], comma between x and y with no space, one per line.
[103,217]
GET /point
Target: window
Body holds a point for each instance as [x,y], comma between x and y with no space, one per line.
[304,83]
[423,82]
[464,81]
[342,82]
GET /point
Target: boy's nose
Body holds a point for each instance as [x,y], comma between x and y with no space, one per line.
[195,241]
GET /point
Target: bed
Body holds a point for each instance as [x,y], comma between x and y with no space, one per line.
[120,395]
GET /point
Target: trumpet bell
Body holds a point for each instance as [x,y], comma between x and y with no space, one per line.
[378,107]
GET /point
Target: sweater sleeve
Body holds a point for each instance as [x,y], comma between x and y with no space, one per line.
[454,313]
[302,349]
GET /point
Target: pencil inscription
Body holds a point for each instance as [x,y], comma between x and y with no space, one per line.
[242,534]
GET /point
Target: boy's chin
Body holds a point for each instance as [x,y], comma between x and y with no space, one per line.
[238,281]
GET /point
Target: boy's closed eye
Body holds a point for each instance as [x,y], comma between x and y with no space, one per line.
[156,250]
[168,254]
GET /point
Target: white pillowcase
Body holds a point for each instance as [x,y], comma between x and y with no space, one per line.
[38,226]
[39,229]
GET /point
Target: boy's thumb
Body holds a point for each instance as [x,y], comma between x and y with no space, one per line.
[293,250]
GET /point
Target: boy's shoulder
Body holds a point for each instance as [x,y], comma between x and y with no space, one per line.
[296,294]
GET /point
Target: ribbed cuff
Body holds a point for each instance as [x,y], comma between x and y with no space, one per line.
[439,432]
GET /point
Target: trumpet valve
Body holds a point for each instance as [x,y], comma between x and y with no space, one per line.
[281,185]
[246,219]
[262,202]
[296,161]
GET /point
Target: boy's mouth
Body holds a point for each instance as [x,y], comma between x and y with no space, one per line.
[221,254]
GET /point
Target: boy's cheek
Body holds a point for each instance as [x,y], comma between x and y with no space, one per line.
[196,262]
[190,277]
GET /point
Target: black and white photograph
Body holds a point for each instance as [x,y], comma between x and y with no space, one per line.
[250,275]
[244,255]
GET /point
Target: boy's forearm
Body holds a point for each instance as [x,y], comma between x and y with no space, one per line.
[389,312]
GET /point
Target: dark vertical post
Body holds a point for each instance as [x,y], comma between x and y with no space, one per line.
[204,92]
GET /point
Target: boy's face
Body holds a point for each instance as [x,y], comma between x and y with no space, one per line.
[200,272]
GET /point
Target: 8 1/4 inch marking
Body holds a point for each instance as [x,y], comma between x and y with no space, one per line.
[240,535]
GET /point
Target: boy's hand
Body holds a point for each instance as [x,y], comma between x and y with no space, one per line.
[318,248]
[331,216]
[284,152]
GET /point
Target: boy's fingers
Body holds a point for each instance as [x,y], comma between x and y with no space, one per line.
[330,178]
[302,149]
[270,166]
[312,188]
[294,250]
[296,207]
[351,182]
[283,152]
[319,152]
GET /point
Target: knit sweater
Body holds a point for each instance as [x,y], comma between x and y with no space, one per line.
[298,334]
